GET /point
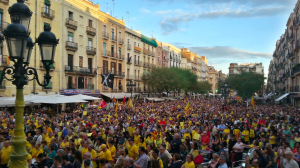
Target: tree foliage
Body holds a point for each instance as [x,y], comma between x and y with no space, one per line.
[174,79]
[246,83]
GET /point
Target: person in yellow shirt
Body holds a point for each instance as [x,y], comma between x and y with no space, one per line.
[105,154]
[48,128]
[65,143]
[45,134]
[155,157]
[245,135]
[93,155]
[186,134]
[131,129]
[252,134]
[112,148]
[4,154]
[189,162]
[132,149]
[84,147]
[137,137]
[272,139]
[142,143]
[226,131]
[48,138]
[36,151]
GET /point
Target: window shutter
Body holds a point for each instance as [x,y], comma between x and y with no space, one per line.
[47,2]
[1,10]
[70,34]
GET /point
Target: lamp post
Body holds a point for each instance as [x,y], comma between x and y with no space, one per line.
[225,89]
[20,46]
[130,86]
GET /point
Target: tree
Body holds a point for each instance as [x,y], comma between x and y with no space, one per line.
[246,83]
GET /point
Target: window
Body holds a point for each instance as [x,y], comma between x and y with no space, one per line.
[80,61]
[120,35]
[90,23]
[134,43]
[70,15]
[104,48]
[112,34]
[47,7]
[70,36]
[90,43]
[119,52]
[105,67]
[80,19]
[104,28]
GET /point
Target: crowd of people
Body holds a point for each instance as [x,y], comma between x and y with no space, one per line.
[172,134]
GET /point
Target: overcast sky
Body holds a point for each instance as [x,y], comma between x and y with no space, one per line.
[226,31]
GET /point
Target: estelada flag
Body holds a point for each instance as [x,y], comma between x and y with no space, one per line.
[238,98]
[114,100]
[253,101]
[124,100]
[103,104]
[187,107]
[130,102]
[117,105]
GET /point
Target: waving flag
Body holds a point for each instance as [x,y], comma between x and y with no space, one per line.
[238,98]
[153,132]
[103,104]
[114,100]
[253,102]
[108,80]
[117,105]
[130,102]
[187,107]
[124,100]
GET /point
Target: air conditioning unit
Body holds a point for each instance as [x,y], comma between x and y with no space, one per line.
[68,68]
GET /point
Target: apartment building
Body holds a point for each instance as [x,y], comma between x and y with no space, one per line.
[194,62]
[46,12]
[112,51]
[133,66]
[79,41]
[213,78]
[165,56]
[159,55]
[174,55]
[235,68]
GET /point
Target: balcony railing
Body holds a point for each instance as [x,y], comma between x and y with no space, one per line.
[70,86]
[146,65]
[105,35]
[3,85]
[71,46]
[294,89]
[90,86]
[72,24]
[90,50]
[116,73]
[91,31]
[137,63]
[121,41]
[128,46]
[5,1]
[4,60]
[48,13]
[106,53]
[296,68]
[129,60]
[137,49]
[3,25]
[113,38]
[81,70]
[120,57]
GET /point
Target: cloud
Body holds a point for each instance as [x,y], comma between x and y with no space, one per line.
[218,53]
[172,20]
[143,10]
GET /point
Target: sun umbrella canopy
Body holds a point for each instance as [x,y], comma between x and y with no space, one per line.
[58,99]
[85,97]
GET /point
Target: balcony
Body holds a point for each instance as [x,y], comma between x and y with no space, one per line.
[48,13]
[116,73]
[3,85]
[137,49]
[105,35]
[153,54]
[146,65]
[121,41]
[137,63]
[91,31]
[3,25]
[290,56]
[120,57]
[128,46]
[113,39]
[80,70]
[4,60]
[90,86]
[6,2]
[106,54]
[296,68]
[114,56]
[72,24]
[70,86]
[90,50]
[71,46]
[294,89]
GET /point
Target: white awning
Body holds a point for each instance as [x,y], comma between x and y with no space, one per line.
[155,99]
[119,95]
[281,97]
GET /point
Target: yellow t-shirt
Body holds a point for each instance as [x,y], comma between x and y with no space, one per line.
[5,152]
[105,155]
[297,139]
[252,133]
[93,155]
[189,165]
[49,130]
[63,144]
[246,138]
[196,136]
[186,135]
[84,150]
[44,136]
[136,139]
[272,141]
[226,131]
[132,150]
[112,150]
[48,140]
[35,152]
[160,163]
[131,130]
[28,157]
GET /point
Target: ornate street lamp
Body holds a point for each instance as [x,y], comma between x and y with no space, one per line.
[130,86]
[225,89]
[20,46]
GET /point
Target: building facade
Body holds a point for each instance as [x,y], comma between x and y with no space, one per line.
[112,51]
[235,68]
[174,55]
[213,78]
[195,63]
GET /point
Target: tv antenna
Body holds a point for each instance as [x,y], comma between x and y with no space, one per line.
[113,8]
[128,17]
